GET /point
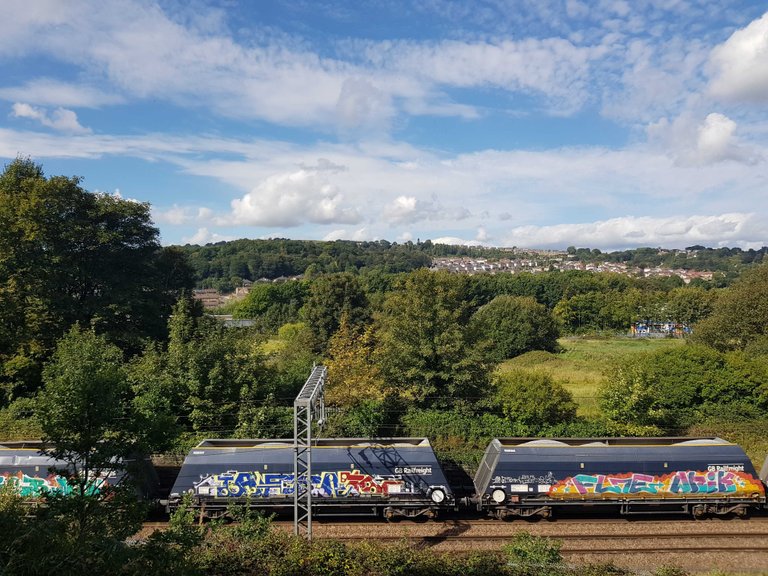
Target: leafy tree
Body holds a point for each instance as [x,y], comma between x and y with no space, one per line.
[514,325]
[68,256]
[85,406]
[290,359]
[740,314]
[330,296]
[90,420]
[534,399]
[672,388]
[426,351]
[353,375]
[273,305]
[213,367]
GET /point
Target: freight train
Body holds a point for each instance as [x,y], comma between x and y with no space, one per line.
[403,477]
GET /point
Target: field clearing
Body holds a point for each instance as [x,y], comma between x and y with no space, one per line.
[585,364]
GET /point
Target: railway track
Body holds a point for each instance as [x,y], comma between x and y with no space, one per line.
[641,545]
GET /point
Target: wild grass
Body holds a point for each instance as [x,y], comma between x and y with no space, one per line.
[584,364]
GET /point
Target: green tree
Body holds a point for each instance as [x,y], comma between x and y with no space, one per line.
[273,305]
[89,420]
[427,352]
[70,256]
[740,314]
[330,297]
[514,325]
[213,367]
[353,375]
[671,389]
[534,399]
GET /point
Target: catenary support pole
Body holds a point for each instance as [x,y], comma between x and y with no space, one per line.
[308,407]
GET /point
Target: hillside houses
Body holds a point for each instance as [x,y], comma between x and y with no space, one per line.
[465,265]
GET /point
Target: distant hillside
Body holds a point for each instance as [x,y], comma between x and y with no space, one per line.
[225,265]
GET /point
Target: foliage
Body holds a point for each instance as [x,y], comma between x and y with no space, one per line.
[739,316]
[427,352]
[331,297]
[534,555]
[18,421]
[674,388]
[514,325]
[225,264]
[366,419]
[213,369]
[272,305]
[584,364]
[85,407]
[353,375]
[534,399]
[68,256]
[290,360]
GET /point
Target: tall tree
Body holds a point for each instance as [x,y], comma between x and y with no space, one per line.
[69,256]
[514,325]
[740,315]
[330,297]
[427,351]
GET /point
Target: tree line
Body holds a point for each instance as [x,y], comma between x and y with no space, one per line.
[225,265]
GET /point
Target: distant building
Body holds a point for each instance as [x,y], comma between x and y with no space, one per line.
[209,297]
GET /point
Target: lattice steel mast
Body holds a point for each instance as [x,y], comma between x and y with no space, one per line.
[308,407]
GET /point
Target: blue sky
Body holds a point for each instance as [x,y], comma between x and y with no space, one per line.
[534,123]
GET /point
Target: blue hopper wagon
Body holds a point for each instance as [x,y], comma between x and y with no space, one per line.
[534,476]
[387,476]
[33,474]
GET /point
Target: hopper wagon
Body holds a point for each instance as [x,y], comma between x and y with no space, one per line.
[699,476]
[32,473]
[377,476]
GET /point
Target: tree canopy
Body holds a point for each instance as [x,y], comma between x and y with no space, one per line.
[69,256]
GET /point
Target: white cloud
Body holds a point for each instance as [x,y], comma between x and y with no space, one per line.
[743,229]
[291,199]
[190,63]
[358,235]
[409,209]
[709,142]
[552,67]
[179,215]
[52,92]
[59,119]
[204,236]
[456,241]
[739,66]
[363,108]
[398,190]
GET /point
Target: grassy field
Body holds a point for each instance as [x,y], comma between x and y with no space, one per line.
[584,364]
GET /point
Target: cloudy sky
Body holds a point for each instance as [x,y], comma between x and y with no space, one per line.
[533,123]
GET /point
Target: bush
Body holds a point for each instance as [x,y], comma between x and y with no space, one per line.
[533,399]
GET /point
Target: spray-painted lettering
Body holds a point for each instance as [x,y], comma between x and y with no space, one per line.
[680,483]
[343,483]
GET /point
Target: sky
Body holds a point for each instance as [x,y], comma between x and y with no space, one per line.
[607,124]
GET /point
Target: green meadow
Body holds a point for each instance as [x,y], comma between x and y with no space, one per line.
[584,364]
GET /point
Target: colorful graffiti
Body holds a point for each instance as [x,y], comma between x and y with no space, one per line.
[337,484]
[36,486]
[680,483]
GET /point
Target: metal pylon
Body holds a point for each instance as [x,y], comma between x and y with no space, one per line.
[308,407]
